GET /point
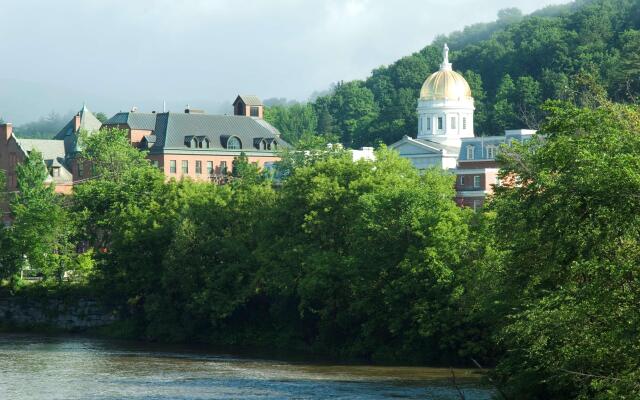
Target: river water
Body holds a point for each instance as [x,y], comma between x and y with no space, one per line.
[44,367]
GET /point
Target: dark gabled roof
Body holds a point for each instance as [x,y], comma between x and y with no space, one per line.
[172,128]
[249,100]
[88,122]
[134,120]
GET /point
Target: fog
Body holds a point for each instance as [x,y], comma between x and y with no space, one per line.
[122,53]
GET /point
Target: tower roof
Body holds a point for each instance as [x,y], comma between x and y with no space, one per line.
[445,84]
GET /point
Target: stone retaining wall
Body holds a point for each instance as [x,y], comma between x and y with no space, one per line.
[72,316]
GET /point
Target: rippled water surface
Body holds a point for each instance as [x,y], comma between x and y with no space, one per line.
[38,367]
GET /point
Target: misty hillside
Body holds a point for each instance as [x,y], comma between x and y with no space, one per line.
[575,52]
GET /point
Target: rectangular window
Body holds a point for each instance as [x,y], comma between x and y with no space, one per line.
[12,159]
[223,167]
[80,169]
[453,122]
[55,171]
[185,166]
[155,163]
[470,153]
[419,124]
[476,205]
[254,111]
[210,167]
[464,122]
[491,152]
[439,122]
[429,123]
[462,179]
[172,166]
[476,181]
[198,167]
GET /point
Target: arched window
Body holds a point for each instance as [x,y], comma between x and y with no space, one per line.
[470,153]
[206,142]
[234,143]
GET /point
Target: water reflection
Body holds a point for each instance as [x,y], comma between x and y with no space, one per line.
[35,367]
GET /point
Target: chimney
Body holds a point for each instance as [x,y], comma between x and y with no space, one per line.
[6,130]
[76,123]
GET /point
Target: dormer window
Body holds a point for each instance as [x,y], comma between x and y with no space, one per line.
[491,152]
[254,111]
[234,143]
[55,172]
[470,153]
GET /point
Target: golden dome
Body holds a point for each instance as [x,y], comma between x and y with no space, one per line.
[445,84]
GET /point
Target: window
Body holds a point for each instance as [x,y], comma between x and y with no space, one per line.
[80,169]
[185,166]
[464,122]
[172,166]
[12,159]
[254,111]
[273,146]
[491,151]
[453,122]
[429,123]
[470,155]
[223,167]
[55,171]
[476,205]
[420,124]
[210,167]
[234,143]
[476,181]
[440,122]
[461,179]
[155,163]
[198,167]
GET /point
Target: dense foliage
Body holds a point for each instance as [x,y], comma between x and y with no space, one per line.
[369,260]
[569,270]
[512,65]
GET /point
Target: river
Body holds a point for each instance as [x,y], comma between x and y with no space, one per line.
[53,367]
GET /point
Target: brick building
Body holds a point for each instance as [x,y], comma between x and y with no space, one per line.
[202,146]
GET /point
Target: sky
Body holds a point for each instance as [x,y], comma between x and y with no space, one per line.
[116,54]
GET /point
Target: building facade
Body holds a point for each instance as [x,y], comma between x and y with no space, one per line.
[201,146]
[446,138]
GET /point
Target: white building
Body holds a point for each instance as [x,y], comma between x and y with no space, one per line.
[446,138]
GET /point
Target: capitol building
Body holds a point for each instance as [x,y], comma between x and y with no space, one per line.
[446,137]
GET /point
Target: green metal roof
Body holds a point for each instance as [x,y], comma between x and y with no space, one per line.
[172,128]
[88,122]
[249,100]
[134,120]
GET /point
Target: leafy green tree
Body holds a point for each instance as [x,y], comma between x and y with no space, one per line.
[40,228]
[569,236]
[293,121]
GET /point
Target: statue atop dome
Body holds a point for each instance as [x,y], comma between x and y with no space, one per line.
[446,65]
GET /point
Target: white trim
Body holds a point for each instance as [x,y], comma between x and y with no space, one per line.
[472,193]
[462,171]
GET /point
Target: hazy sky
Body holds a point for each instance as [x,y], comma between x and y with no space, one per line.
[115,54]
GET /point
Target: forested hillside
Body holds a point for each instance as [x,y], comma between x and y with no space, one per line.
[513,65]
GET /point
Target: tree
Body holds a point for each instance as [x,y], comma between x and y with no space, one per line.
[41,227]
[102,117]
[569,235]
